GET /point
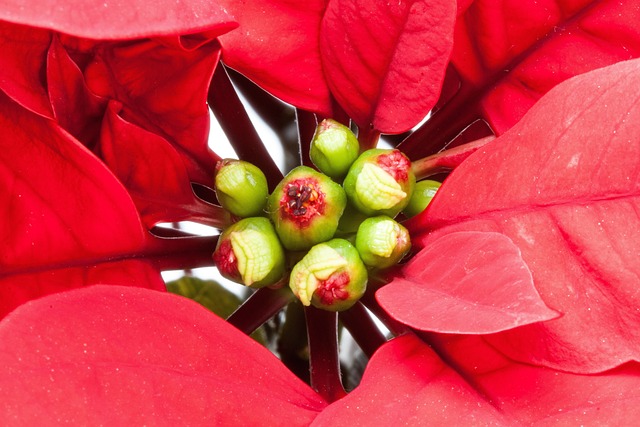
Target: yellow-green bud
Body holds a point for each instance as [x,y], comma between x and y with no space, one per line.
[380,182]
[331,276]
[382,242]
[250,253]
[241,187]
[422,196]
[333,148]
[305,208]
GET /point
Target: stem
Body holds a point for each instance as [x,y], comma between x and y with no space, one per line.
[261,306]
[363,329]
[307,124]
[443,126]
[369,300]
[179,253]
[292,343]
[324,364]
[447,160]
[237,125]
[368,138]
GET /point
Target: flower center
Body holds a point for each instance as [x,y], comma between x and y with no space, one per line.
[302,200]
[226,260]
[333,288]
[395,164]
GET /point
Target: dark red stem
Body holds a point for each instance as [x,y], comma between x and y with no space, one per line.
[324,364]
[237,125]
[369,301]
[307,123]
[363,329]
[368,138]
[443,126]
[261,306]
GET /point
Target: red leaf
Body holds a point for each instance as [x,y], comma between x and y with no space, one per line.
[66,219]
[120,19]
[385,62]
[140,357]
[276,46]
[407,383]
[22,79]
[481,286]
[153,172]
[60,202]
[75,107]
[564,186]
[163,89]
[18,289]
[513,52]
[535,395]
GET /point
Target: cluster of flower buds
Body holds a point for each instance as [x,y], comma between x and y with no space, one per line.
[332,224]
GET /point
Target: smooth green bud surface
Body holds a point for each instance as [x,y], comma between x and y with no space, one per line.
[250,253]
[422,195]
[331,276]
[380,182]
[305,208]
[241,188]
[382,242]
[334,148]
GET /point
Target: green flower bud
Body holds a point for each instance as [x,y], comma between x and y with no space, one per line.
[382,242]
[305,208]
[422,195]
[380,182]
[250,253]
[333,148]
[241,187]
[331,276]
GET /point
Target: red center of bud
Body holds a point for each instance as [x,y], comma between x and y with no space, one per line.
[395,164]
[333,288]
[226,260]
[302,200]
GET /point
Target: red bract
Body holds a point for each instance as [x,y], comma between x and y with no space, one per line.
[276,46]
[66,219]
[512,53]
[119,19]
[520,302]
[487,389]
[385,62]
[140,357]
[487,289]
[565,192]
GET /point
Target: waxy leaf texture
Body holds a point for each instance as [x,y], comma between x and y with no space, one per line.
[564,186]
[406,383]
[64,214]
[385,61]
[276,46]
[487,288]
[508,54]
[140,357]
[119,19]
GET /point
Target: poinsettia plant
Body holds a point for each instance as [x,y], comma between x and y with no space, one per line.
[518,302]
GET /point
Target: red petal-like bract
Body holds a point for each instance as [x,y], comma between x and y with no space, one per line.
[162,86]
[385,61]
[487,289]
[119,19]
[514,51]
[564,186]
[152,170]
[65,218]
[276,46]
[406,383]
[111,355]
